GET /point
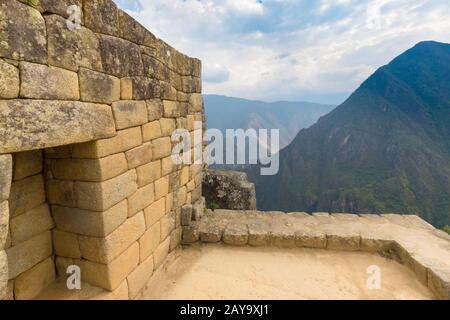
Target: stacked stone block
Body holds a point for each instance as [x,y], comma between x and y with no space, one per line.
[28,245]
[88,114]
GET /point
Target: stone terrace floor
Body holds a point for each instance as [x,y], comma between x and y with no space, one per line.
[395,241]
[405,238]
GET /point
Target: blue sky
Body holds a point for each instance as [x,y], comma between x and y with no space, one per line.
[291,49]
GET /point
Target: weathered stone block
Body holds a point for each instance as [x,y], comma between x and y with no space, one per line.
[118,294]
[195,103]
[141,199]
[161,253]
[180,198]
[133,31]
[190,234]
[71,49]
[155,212]
[30,283]
[198,209]
[91,170]
[373,243]
[66,244]
[139,277]
[5,176]
[155,109]
[439,282]
[30,29]
[110,276]
[9,80]
[210,233]
[283,237]
[161,187]
[29,253]
[167,126]
[105,250]
[145,88]
[311,239]
[168,166]
[124,140]
[151,131]
[184,177]
[100,196]
[90,223]
[196,193]
[168,92]
[51,83]
[102,16]
[150,241]
[167,226]
[343,241]
[27,164]
[37,124]
[128,113]
[126,89]
[3,275]
[4,224]
[58,7]
[236,235]
[162,148]
[171,109]
[190,185]
[258,235]
[61,192]
[121,58]
[186,215]
[148,173]
[63,152]
[169,202]
[98,87]
[30,224]
[26,194]
[139,156]
[175,239]
[155,69]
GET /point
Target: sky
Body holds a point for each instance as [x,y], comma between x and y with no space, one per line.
[308,50]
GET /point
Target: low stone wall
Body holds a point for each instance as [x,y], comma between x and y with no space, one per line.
[408,239]
[86,117]
[228,190]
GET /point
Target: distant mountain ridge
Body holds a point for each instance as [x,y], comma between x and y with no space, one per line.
[290,117]
[385,149]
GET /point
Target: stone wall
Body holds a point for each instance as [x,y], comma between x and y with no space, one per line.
[86,175]
[228,190]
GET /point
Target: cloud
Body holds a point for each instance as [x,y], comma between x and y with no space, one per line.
[215,73]
[292,49]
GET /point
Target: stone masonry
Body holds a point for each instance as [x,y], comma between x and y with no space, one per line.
[86,118]
[86,175]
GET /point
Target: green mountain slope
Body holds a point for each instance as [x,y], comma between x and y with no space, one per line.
[385,149]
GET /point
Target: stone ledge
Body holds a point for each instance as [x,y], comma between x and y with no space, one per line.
[38,124]
[408,239]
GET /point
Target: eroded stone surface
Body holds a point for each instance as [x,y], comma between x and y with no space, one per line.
[71,49]
[29,28]
[37,124]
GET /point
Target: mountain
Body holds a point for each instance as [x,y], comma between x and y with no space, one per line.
[385,149]
[290,117]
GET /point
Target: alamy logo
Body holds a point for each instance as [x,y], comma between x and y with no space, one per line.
[374,279]
[238,147]
[74,20]
[74,278]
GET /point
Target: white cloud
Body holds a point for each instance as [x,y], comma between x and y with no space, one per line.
[293,49]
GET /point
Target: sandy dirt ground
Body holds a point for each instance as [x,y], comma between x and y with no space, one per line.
[220,272]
